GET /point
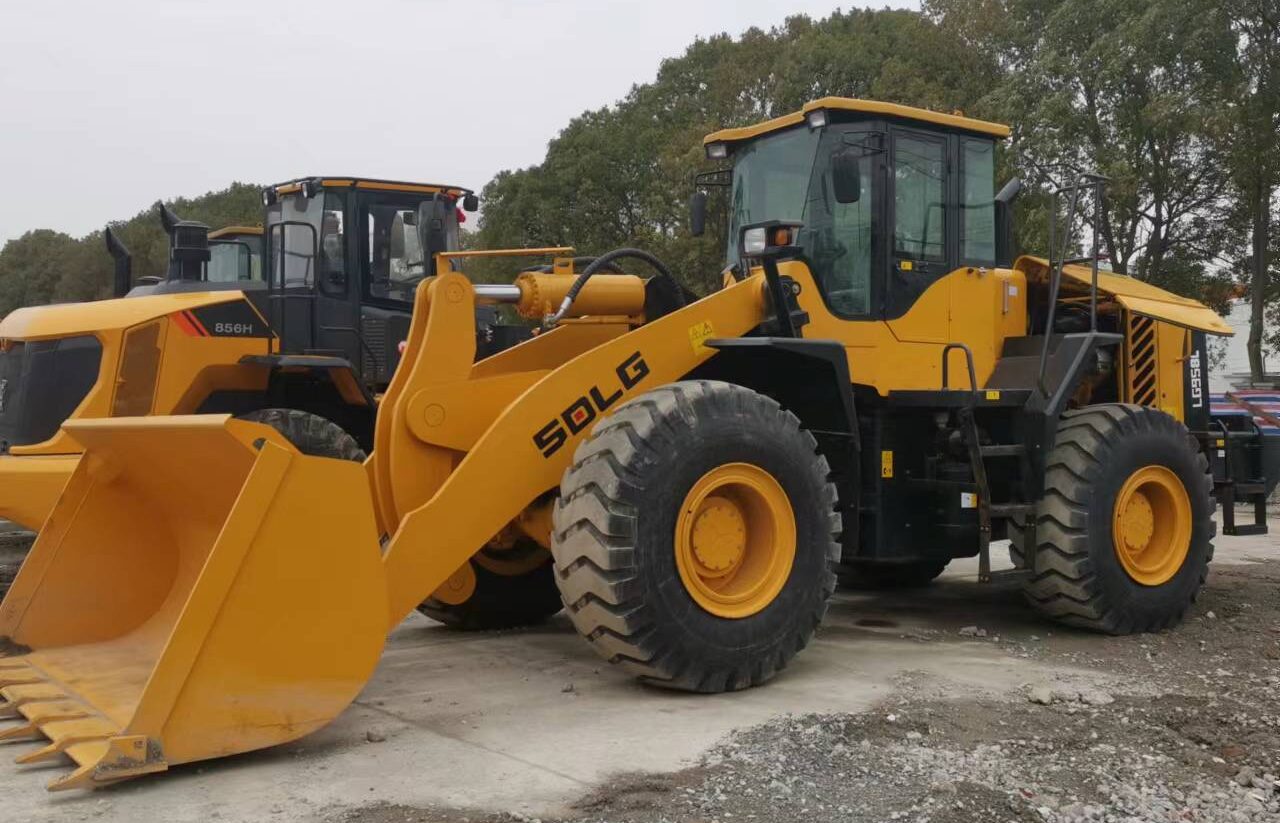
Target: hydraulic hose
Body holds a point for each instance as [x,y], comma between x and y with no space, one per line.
[606,261]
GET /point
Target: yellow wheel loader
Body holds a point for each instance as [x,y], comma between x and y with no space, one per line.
[876,386]
[305,342]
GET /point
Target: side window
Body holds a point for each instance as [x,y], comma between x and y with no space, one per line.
[293,241]
[837,237]
[333,247]
[919,199]
[394,256]
[977,202]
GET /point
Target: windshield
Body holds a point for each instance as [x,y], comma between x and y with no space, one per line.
[770,181]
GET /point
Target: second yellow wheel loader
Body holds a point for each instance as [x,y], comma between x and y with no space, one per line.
[304,342]
[876,386]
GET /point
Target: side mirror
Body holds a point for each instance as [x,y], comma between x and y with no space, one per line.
[433,233]
[846,176]
[470,203]
[698,213]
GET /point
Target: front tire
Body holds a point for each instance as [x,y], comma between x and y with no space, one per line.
[1124,529]
[695,537]
[311,434]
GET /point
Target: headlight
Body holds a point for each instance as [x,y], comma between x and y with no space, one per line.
[817,118]
[717,151]
[755,241]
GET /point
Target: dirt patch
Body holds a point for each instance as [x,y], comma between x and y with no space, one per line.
[1178,726]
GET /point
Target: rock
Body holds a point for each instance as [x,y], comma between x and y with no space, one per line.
[1211,615]
[1040,694]
[1096,697]
[914,735]
[568,688]
[1244,777]
[375,736]
[973,631]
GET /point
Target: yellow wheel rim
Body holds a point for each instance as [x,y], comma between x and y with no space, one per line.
[1151,525]
[735,540]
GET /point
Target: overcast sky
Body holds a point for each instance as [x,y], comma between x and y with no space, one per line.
[107,106]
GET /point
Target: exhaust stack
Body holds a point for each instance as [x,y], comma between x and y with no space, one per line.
[188,245]
[123,279]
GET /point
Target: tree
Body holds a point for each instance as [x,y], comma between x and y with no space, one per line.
[1253,152]
[45,266]
[1128,88]
[622,175]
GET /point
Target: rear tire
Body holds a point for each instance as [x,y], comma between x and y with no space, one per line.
[502,601]
[1135,580]
[622,555]
[311,434]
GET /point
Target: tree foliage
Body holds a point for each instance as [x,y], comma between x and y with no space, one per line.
[1177,102]
[44,266]
[622,175]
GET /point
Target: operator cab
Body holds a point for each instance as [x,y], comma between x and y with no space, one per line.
[342,263]
[890,198]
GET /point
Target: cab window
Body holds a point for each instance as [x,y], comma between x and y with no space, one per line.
[919,198]
[977,202]
[837,237]
[333,261]
[293,241]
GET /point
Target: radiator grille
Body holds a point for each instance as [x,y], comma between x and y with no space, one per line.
[1144,388]
[374,331]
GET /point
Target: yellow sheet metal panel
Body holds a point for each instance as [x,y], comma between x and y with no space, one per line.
[977,307]
[40,322]
[1174,346]
[29,486]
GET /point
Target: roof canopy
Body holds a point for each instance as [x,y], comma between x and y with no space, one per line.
[951,121]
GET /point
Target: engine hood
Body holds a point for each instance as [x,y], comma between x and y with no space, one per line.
[65,319]
[1137,296]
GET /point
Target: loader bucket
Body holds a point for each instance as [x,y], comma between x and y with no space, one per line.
[30,485]
[200,589]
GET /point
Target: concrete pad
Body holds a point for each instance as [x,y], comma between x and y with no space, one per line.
[531,720]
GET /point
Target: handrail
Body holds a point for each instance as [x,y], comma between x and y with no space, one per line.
[1059,251]
[968,359]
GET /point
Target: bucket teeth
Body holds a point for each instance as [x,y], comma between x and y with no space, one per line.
[25,731]
[20,695]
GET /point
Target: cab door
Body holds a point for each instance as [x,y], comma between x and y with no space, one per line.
[337,308]
[920,248]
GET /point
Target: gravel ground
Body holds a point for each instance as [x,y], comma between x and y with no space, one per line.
[1178,726]
[13,548]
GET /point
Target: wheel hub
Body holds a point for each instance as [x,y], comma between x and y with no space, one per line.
[1151,525]
[1138,523]
[735,540]
[719,536]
